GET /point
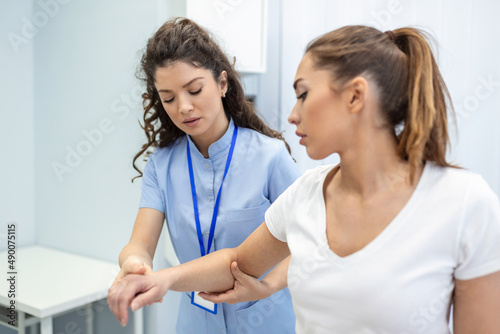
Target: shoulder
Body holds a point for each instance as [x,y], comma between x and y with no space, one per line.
[259,140]
[303,190]
[316,174]
[162,155]
[463,183]
[311,179]
[259,148]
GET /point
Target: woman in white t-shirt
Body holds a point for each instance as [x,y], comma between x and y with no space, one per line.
[384,242]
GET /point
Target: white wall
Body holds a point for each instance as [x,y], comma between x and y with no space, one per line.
[17,188]
[467,57]
[77,73]
[86,111]
[85,61]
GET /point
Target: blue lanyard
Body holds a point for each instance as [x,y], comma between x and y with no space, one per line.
[216,208]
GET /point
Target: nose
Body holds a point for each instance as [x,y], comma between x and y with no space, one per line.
[185,105]
[294,117]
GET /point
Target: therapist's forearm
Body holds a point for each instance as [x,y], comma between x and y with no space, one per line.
[144,239]
[276,279]
[136,250]
[208,273]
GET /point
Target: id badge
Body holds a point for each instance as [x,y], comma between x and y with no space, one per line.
[203,303]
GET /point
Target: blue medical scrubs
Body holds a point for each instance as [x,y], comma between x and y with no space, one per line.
[261,169]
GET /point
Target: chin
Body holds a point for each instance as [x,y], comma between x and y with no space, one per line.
[196,131]
[318,154]
[315,155]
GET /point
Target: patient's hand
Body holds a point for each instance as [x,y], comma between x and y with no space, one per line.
[135,291]
[246,288]
[133,265]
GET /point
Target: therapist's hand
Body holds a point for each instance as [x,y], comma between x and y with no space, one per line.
[133,265]
[246,288]
[135,291]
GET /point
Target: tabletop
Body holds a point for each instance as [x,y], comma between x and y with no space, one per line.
[50,281]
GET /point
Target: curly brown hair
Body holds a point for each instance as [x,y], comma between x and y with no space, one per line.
[181,39]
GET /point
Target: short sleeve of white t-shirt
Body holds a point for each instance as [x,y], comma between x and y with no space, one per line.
[479,242]
[401,282]
[276,215]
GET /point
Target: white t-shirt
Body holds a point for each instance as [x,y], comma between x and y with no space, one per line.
[403,280]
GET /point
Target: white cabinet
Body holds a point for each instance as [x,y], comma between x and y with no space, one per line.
[239,26]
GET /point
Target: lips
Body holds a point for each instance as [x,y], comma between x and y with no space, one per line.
[301,135]
[191,121]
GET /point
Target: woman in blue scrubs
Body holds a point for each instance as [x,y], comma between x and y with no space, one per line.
[214,171]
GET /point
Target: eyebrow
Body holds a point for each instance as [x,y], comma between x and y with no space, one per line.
[183,86]
[296,82]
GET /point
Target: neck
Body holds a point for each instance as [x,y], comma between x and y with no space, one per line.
[203,141]
[372,165]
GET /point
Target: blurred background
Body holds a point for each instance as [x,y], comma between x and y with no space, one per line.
[70,105]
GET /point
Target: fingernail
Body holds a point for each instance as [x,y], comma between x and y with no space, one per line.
[133,307]
[123,322]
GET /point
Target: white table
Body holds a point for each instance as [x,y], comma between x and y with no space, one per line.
[52,282]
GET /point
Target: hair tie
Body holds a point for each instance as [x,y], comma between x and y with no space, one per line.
[391,35]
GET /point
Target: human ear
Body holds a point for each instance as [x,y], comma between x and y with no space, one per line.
[355,94]
[222,81]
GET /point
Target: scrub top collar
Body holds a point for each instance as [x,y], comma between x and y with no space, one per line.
[219,148]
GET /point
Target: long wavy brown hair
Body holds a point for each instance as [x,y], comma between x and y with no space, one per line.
[181,39]
[413,94]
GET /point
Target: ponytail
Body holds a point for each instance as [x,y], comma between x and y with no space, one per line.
[425,133]
[412,91]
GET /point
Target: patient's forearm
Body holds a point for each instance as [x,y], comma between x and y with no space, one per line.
[259,252]
[208,273]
